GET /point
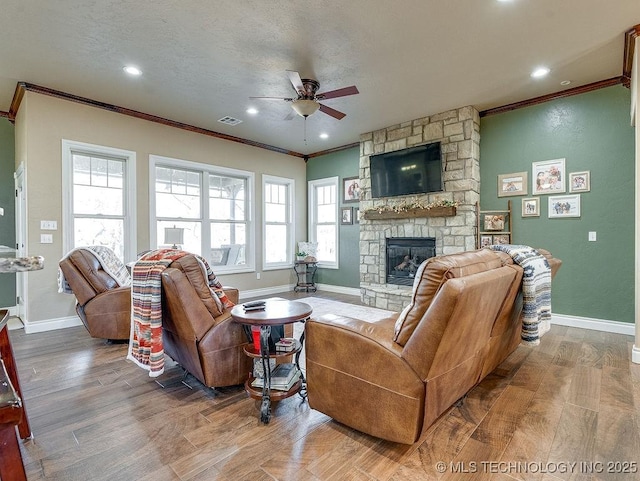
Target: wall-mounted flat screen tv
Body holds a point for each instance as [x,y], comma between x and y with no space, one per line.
[417,170]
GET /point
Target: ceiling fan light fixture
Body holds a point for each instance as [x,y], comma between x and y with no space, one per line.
[304,108]
[132,70]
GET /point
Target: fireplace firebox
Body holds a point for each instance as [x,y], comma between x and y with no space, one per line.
[404,256]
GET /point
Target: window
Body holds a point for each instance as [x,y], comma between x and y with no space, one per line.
[178,203]
[98,201]
[323,220]
[211,204]
[278,218]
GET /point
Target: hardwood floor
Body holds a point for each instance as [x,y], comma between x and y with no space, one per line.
[573,399]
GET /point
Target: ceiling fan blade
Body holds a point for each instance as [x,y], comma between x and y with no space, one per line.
[343,92]
[296,81]
[333,112]
[288,99]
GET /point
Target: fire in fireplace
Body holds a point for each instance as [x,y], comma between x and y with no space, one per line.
[404,255]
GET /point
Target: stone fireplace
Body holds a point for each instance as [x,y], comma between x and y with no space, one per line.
[458,132]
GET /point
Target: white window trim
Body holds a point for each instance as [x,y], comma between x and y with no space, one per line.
[250,257]
[311,185]
[69,146]
[290,183]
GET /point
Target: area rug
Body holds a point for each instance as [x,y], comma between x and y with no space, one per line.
[327,306]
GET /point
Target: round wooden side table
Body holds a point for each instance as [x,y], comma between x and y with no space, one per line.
[274,313]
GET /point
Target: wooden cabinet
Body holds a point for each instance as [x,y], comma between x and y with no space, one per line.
[493,226]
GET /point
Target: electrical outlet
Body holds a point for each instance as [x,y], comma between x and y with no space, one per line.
[258,275]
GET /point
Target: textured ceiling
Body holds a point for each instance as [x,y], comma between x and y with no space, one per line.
[203,59]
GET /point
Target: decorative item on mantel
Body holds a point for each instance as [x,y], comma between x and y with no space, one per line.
[412,209]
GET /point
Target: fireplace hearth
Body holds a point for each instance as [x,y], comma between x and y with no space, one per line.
[404,256]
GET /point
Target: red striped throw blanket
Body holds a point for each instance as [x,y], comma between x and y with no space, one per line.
[145,343]
[536,290]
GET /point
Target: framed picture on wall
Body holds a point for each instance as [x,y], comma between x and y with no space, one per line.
[548,177]
[501,239]
[346,216]
[485,240]
[512,184]
[564,206]
[350,189]
[493,222]
[580,181]
[531,207]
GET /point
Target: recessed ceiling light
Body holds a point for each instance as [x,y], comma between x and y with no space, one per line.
[540,72]
[131,70]
[565,82]
[252,111]
[324,136]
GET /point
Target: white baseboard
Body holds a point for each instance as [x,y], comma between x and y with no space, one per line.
[270,291]
[51,324]
[267,291]
[350,291]
[617,327]
[635,354]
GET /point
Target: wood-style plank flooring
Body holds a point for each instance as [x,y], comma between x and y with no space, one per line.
[573,399]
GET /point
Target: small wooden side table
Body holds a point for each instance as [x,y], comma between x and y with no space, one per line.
[275,313]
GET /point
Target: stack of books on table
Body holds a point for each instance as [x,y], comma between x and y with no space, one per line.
[285,344]
[283,377]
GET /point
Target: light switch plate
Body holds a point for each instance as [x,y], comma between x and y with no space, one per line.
[592,236]
[46,239]
[48,225]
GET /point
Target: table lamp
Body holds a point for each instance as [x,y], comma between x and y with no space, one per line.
[174,235]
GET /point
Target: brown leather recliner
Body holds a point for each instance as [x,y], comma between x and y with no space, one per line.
[394,379]
[197,334]
[103,306]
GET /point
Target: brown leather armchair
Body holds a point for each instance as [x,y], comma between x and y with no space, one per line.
[103,306]
[393,378]
[197,334]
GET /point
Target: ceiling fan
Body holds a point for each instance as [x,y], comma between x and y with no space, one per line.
[308,100]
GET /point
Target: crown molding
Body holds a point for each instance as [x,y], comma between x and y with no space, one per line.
[333,150]
[554,96]
[23,87]
[629,49]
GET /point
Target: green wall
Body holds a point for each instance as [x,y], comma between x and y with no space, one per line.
[342,164]
[7,222]
[591,132]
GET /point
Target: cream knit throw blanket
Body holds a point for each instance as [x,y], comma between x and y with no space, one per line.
[536,290]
